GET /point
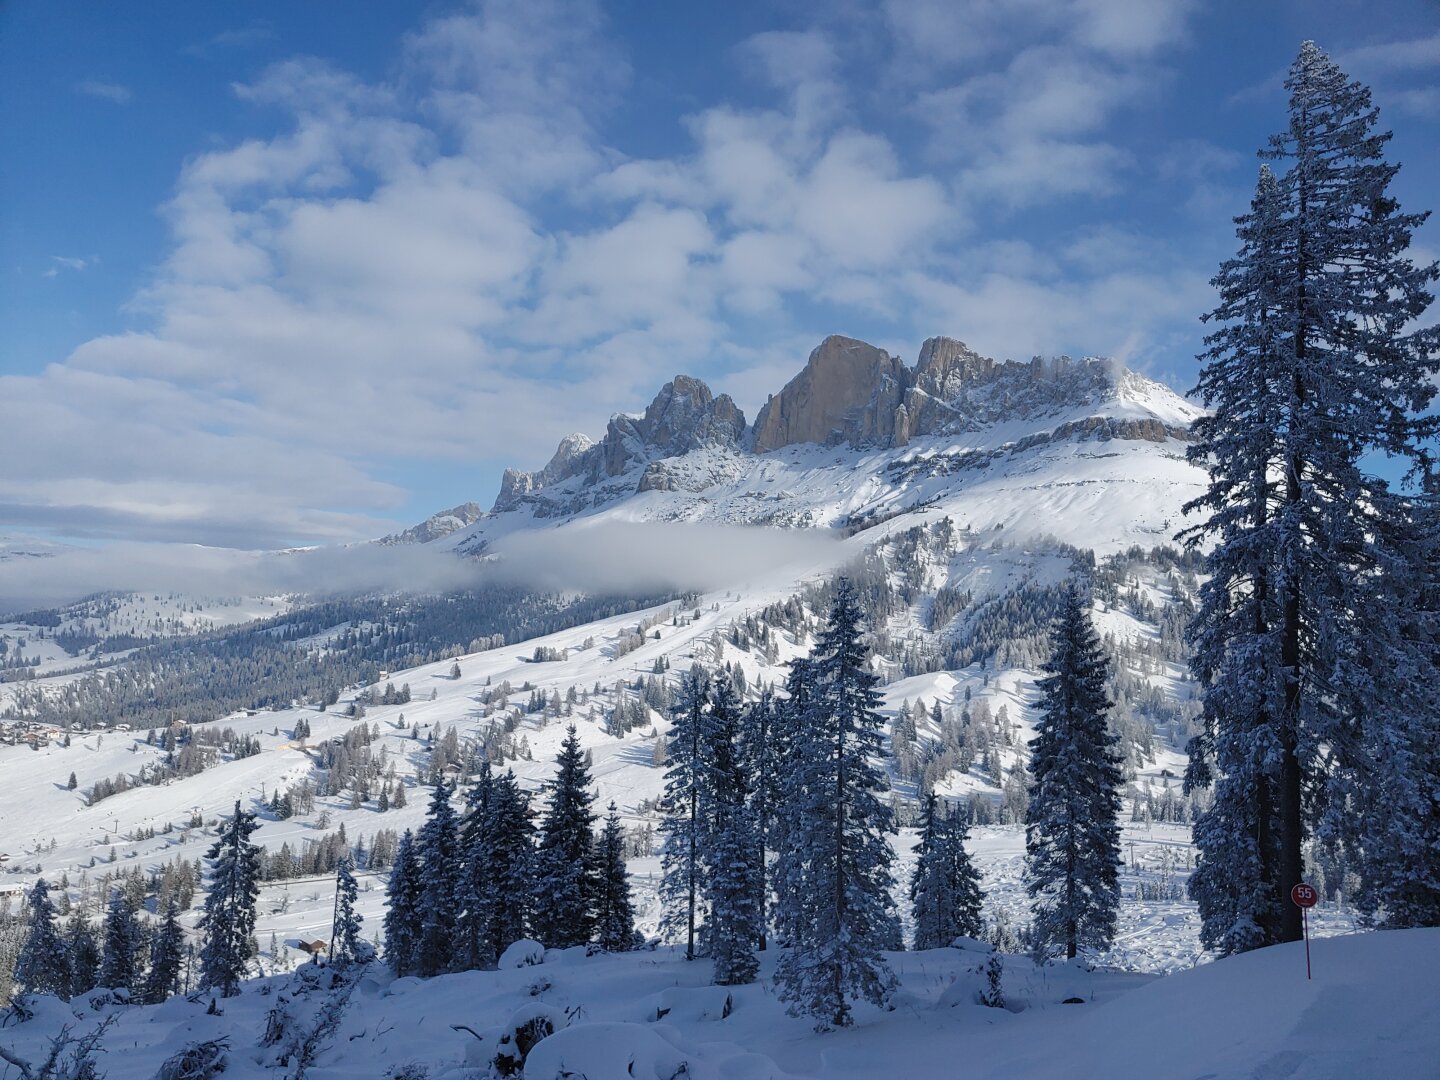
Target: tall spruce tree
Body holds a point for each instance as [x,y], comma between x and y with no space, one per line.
[402,911]
[614,912]
[839,879]
[43,966]
[734,852]
[472,924]
[167,957]
[945,892]
[564,880]
[1235,631]
[229,918]
[686,807]
[1394,791]
[346,943]
[762,762]
[84,952]
[789,797]
[509,851]
[124,943]
[1072,825]
[440,884]
[1316,367]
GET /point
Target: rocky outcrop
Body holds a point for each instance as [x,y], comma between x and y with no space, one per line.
[849,391]
[684,416]
[571,458]
[439,525]
[853,392]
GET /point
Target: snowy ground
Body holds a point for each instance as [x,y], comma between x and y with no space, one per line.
[1368,1012]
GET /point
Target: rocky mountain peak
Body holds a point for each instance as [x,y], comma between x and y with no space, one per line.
[848,391]
[684,416]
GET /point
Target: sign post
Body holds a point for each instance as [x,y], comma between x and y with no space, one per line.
[1304,897]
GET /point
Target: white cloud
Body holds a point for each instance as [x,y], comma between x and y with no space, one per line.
[60,263]
[1408,54]
[106,91]
[454,265]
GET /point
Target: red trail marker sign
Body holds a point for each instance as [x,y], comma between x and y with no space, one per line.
[1305,897]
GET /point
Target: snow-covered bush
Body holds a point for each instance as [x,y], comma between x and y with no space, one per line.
[198,1061]
[529,1025]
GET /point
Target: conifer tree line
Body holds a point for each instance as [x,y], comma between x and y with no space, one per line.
[775,833]
[472,883]
[1317,640]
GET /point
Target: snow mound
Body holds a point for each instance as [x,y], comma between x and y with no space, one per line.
[522,953]
[1369,1011]
[609,1050]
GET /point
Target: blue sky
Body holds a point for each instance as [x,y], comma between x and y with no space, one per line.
[282,273]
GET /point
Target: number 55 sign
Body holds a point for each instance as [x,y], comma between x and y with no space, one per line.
[1304,897]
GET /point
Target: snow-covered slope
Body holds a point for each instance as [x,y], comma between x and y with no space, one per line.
[651,1016]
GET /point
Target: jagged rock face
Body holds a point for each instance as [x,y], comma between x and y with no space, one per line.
[571,458]
[439,525]
[849,391]
[684,416]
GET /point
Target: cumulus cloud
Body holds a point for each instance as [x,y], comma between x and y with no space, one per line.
[456,263]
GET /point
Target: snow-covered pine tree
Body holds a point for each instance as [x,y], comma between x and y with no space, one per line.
[1072,826]
[789,723]
[1234,631]
[440,890]
[564,879]
[229,918]
[124,943]
[402,909]
[841,877]
[346,943]
[1395,789]
[84,952]
[758,745]
[1319,311]
[945,892]
[42,966]
[509,850]
[614,912]
[478,897]
[167,956]
[734,852]
[686,805]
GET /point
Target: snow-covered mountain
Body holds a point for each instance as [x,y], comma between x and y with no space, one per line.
[1083,451]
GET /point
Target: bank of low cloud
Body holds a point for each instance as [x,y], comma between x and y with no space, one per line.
[610,558]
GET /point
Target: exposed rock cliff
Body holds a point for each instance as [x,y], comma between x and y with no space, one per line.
[849,391]
[684,416]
